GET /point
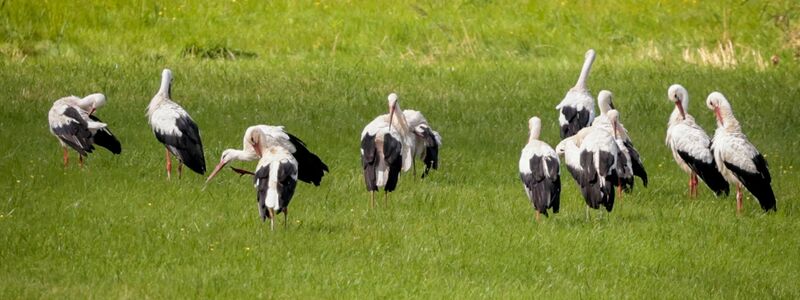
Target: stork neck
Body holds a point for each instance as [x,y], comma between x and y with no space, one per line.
[534,136]
[587,66]
[604,104]
[243,155]
[399,120]
[729,122]
[166,87]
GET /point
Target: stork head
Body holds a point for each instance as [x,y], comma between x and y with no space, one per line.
[535,127]
[253,138]
[166,83]
[678,95]
[717,102]
[392,102]
[227,156]
[605,101]
[613,117]
[561,147]
[92,102]
[230,155]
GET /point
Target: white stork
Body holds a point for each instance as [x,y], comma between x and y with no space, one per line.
[427,143]
[591,157]
[737,159]
[633,164]
[174,128]
[275,180]
[576,110]
[539,172]
[259,138]
[386,148]
[691,146]
[72,121]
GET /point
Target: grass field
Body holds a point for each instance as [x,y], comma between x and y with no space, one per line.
[477,69]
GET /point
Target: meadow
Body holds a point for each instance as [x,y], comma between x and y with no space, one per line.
[477,70]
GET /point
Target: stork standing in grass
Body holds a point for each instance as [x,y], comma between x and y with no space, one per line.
[539,172]
[387,146]
[576,110]
[282,160]
[174,128]
[427,141]
[737,159]
[691,146]
[591,157]
[633,164]
[72,121]
[257,139]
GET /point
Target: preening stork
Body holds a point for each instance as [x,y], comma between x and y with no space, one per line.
[539,172]
[591,157]
[275,180]
[259,138]
[576,110]
[691,146]
[387,146]
[633,165]
[427,143]
[174,128]
[737,159]
[72,121]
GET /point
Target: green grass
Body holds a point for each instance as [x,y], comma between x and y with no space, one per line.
[118,229]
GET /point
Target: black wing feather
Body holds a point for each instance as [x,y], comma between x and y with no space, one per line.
[707,172]
[80,131]
[431,158]
[188,147]
[636,162]
[261,179]
[310,167]
[554,184]
[392,153]
[368,161]
[590,186]
[286,184]
[757,183]
[104,138]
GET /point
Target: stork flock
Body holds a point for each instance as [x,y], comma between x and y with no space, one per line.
[600,155]
[596,149]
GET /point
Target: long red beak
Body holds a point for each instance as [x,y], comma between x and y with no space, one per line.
[680,109]
[719,116]
[216,170]
[91,112]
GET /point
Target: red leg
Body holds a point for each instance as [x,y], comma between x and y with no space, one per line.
[693,184]
[66,156]
[739,199]
[80,160]
[619,188]
[537,215]
[169,165]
